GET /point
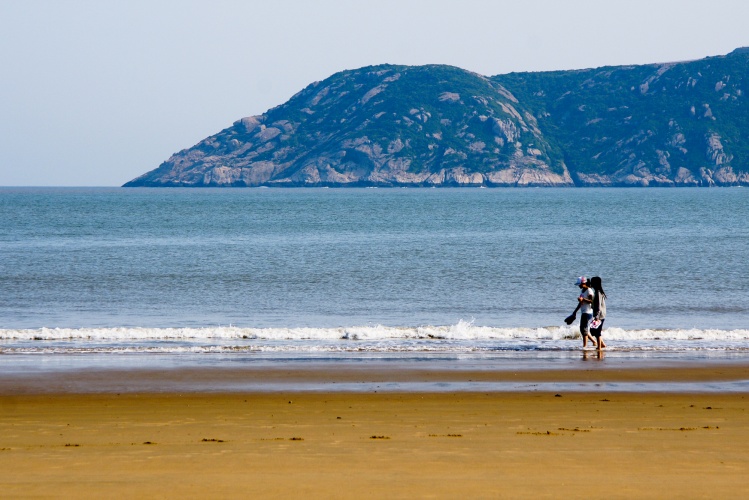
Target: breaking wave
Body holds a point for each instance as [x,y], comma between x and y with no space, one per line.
[462,331]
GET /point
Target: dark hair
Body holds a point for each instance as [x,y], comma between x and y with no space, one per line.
[595,284]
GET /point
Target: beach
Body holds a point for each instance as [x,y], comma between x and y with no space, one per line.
[326,443]
[371,343]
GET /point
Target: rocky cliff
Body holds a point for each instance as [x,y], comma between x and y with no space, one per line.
[676,124]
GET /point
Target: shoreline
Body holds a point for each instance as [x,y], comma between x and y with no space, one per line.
[721,376]
[254,431]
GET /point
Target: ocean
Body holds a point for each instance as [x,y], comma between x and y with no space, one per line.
[157,277]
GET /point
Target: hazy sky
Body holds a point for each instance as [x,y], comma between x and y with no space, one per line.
[95,93]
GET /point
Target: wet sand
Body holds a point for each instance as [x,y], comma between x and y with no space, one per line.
[65,443]
[372,376]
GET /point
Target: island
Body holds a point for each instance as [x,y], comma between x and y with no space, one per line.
[667,124]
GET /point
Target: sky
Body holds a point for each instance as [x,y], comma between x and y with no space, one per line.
[96,93]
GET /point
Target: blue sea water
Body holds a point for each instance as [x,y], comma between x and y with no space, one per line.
[325,271]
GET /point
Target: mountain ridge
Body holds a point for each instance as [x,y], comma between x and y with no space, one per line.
[665,124]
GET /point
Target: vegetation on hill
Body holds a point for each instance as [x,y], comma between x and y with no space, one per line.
[673,124]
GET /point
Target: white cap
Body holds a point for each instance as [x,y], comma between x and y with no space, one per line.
[581,281]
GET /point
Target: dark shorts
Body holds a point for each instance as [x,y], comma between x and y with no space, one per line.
[596,332]
[584,323]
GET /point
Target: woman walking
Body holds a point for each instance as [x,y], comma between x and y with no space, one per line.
[599,311]
[585,306]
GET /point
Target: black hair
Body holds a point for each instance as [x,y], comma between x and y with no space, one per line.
[595,284]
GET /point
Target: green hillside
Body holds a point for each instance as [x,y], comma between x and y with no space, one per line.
[673,124]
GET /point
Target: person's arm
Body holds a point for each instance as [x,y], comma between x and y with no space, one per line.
[569,319]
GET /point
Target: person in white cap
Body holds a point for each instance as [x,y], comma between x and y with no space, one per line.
[585,303]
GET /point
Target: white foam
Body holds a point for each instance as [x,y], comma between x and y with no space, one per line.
[463,331]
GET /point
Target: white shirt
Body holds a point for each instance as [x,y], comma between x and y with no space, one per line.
[587,307]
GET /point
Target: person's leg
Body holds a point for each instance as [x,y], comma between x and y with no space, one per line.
[585,328]
[583,333]
[599,336]
[597,333]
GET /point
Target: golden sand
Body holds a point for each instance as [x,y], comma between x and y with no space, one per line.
[343,445]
